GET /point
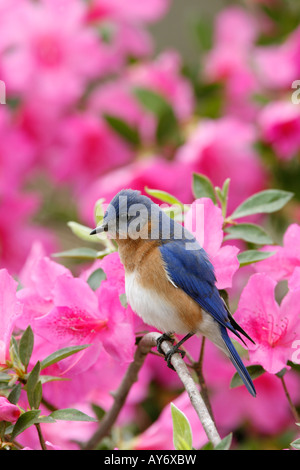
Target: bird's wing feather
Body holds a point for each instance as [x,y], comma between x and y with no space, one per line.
[192,271]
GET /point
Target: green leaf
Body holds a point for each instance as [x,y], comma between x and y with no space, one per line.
[222,195]
[82,232]
[15,393]
[251,233]
[270,200]
[4,377]
[163,196]
[99,211]
[153,102]
[52,378]
[95,279]
[296,444]
[167,126]
[123,300]
[202,187]
[61,354]
[25,421]
[254,372]
[14,354]
[167,130]
[78,253]
[26,346]
[99,412]
[253,256]
[32,388]
[225,443]
[70,414]
[36,397]
[123,129]
[182,433]
[281,373]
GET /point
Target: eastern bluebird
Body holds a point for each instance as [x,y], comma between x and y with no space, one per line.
[169,280]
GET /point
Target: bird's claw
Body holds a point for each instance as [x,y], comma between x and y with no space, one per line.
[175,349]
[161,339]
[170,353]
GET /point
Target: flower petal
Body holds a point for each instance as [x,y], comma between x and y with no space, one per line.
[226,264]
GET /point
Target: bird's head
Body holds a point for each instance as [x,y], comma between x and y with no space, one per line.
[128,215]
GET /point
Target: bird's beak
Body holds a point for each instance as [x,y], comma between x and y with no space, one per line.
[100,229]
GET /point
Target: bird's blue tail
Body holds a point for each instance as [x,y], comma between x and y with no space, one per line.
[237,362]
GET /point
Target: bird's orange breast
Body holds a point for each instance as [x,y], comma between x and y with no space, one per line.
[143,258]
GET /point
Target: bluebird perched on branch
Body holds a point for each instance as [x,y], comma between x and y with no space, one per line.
[169,280]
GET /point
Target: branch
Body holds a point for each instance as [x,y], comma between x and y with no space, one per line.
[144,347]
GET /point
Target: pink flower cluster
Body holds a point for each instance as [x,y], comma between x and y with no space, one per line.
[247,71]
[65,64]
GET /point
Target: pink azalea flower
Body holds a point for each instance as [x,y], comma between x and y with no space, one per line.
[64,310]
[223,148]
[163,75]
[14,167]
[116,98]
[234,407]
[83,148]
[286,258]
[134,11]
[10,310]
[8,411]
[236,26]
[294,281]
[55,50]
[16,211]
[284,58]
[279,124]
[38,277]
[154,173]
[273,327]
[114,271]
[77,316]
[205,221]
[229,60]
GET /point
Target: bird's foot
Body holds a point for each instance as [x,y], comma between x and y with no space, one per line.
[175,349]
[161,339]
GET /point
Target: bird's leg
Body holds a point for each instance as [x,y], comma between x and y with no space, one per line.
[161,339]
[175,349]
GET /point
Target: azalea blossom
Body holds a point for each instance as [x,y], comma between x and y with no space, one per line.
[285,260]
[84,147]
[8,411]
[153,172]
[273,327]
[205,221]
[51,45]
[64,310]
[229,60]
[224,148]
[279,126]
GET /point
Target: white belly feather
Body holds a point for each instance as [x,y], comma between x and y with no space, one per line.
[153,308]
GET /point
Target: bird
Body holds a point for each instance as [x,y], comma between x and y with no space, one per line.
[169,279]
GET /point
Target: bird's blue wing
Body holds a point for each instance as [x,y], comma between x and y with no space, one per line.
[194,274]
[192,271]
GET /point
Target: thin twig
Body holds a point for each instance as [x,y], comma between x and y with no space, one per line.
[198,366]
[144,347]
[41,437]
[292,406]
